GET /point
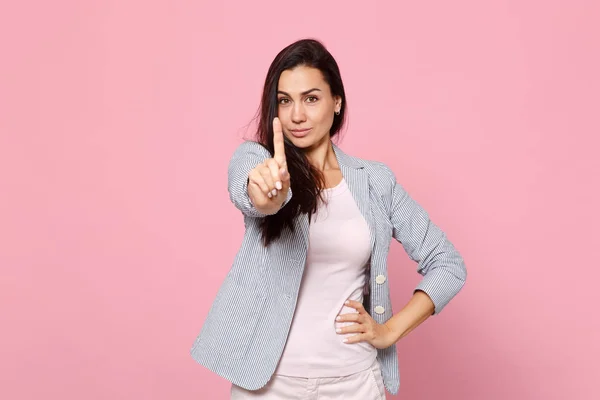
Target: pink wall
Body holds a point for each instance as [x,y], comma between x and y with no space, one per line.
[118,118]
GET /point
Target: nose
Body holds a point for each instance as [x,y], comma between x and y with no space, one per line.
[298,114]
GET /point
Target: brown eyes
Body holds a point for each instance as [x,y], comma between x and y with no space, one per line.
[309,99]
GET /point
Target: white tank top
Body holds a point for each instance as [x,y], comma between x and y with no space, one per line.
[338,253]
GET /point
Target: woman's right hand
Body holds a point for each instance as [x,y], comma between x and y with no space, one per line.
[269,182]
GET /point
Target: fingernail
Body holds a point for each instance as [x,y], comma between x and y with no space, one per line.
[269,194]
[347,302]
[274,192]
[338,319]
[338,330]
[278,185]
[345,340]
[283,172]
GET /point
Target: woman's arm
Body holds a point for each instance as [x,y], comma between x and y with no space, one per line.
[245,158]
[443,268]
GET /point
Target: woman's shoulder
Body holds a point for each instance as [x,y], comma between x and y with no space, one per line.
[373,167]
[378,169]
[249,147]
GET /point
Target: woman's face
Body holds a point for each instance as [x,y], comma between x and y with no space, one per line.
[306,106]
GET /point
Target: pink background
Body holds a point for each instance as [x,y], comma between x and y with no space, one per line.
[117,121]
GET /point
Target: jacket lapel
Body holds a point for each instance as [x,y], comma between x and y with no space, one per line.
[357,180]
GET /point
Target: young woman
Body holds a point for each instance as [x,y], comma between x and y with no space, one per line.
[305,310]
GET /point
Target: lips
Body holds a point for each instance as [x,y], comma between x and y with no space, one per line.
[300,132]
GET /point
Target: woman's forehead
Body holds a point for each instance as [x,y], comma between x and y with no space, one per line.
[301,79]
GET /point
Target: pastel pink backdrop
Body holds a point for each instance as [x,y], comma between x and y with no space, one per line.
[117,121]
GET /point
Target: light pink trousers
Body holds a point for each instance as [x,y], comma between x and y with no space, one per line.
[363,385]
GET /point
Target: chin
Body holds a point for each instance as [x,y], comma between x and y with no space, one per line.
[302,143]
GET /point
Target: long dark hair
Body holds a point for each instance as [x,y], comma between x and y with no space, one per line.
[306,181]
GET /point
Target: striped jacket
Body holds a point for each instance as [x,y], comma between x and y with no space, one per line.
[244,334]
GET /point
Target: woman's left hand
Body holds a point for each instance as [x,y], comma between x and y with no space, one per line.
[378,335]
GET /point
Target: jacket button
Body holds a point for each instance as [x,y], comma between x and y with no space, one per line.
[379,310]
[380,279]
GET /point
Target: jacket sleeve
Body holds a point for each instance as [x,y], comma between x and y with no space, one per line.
[245,158]
[443,268]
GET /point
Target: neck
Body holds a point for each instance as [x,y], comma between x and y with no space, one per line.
[322,156]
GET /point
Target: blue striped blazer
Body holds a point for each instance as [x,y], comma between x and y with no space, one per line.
[244,334]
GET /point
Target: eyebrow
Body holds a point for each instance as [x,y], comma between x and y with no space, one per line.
[303,93]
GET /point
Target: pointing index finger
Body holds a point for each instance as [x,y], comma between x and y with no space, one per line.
[278,143]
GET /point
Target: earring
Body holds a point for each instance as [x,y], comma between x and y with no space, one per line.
[337,113]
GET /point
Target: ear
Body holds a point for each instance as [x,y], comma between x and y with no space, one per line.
[338,103]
